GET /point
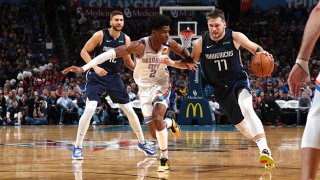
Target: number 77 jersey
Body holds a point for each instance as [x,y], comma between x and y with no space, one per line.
[220,61]
[149,71]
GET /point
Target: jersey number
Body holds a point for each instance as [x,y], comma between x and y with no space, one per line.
[222,62]
[153,69]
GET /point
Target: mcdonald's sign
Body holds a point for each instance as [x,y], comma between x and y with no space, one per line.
[194,108]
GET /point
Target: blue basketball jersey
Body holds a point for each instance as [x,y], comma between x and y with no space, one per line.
[112,65]
[221,61]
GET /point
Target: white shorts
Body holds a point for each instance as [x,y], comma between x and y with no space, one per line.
[311,134]
[151,95]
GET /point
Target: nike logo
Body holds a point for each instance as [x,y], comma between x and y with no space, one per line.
[108,40]
[209,46]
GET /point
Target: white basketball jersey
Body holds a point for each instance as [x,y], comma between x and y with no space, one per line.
[148,70]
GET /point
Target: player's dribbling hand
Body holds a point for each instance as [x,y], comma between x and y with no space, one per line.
[100,71]
[266,53]
[75,69]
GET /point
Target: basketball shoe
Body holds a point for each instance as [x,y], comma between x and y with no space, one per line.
[77,153]
[146,149]
[266,159]
[175,128]
[164,165]
[163,175]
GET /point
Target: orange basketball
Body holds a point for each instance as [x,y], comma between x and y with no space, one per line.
[262,65]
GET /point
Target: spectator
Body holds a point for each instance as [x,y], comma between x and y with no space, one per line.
[81,103]
[132,95]
[273,110]
[52,109]
[304,105]
[3,107]
[65,105]
[215,108]
[286,96]
[39,114]
[14,114]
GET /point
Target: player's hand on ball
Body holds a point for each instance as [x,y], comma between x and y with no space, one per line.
[75,69]
[266,53]
[100,71]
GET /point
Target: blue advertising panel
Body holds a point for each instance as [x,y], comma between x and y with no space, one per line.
[195,108]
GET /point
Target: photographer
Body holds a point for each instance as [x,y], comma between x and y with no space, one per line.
[39,114]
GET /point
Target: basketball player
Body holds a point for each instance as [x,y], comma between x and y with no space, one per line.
[107,78]
[310,153]
[221,65]
[152,77]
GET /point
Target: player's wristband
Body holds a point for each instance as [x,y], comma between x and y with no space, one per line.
[111,54]
[303,64]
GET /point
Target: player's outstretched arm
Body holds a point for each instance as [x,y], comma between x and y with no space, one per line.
[134,47]
[300,71]
[179,64]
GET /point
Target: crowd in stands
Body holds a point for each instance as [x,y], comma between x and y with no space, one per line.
[33,90]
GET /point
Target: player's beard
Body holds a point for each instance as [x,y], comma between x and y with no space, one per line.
[217,36]
[117,28]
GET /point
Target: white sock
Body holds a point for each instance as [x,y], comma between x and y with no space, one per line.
[162,137]
[262,144]
[133,120]
[168,122]
[84,121]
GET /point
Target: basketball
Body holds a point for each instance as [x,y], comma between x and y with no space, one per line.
[262,65]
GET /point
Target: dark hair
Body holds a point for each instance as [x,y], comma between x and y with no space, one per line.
[215,14]
[115,13]
[158,21]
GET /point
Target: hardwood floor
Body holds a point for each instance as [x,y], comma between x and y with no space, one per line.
[202,152]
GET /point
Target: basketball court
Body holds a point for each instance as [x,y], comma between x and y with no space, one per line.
[202,152]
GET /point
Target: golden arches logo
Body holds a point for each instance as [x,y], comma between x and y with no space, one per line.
[194,110]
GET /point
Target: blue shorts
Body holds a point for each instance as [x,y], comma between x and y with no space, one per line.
[228,99]
[110,83]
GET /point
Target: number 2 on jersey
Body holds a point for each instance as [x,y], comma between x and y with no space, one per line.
[153,69]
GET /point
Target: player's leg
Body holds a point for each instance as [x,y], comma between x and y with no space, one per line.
[118,94]
[310,153]
[171,124]
[135,125]
[159,111]
[83,126]
[253,123]
[160,100]
[94,87]
[162,94]
[147,109]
